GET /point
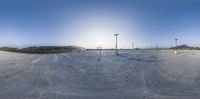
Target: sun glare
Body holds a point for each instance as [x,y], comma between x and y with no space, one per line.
[100,43]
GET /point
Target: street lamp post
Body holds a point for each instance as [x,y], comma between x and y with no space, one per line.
[176,49]
[156,46]
[116,49]
[133,46]
[176,40]
[100,48]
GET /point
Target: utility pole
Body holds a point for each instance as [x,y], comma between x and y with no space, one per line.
[116,49]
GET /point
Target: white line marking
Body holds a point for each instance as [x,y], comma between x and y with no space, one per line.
[55,58]
[67,56]
[37,59]
[40,93]
[144,82]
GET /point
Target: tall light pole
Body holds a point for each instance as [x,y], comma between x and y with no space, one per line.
[99,48]
[157,46]
[133,46]
[116,49]
[176,49]
[176,40]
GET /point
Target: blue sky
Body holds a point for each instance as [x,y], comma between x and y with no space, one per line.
[89,23]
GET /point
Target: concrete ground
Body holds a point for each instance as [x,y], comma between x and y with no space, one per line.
[142,74]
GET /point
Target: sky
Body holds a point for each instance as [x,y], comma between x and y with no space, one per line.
[90,23]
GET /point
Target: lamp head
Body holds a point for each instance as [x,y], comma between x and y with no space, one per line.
[116,34]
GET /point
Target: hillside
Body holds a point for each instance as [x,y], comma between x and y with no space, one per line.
[184,46]
[44,49]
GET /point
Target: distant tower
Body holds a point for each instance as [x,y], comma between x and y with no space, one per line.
[176,40]
[116,49]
